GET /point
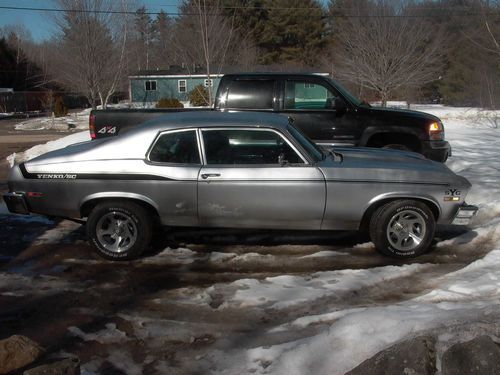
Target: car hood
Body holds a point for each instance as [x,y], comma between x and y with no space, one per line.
[387,166]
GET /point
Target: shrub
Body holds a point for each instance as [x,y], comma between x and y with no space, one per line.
[169,103]
[60,110]
[199,96]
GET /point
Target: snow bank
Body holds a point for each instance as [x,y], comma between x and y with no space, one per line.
[78,120]
[49,146]
[285,291]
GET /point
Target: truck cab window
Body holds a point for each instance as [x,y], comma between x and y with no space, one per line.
[250,94]
[176,147]
[308,95]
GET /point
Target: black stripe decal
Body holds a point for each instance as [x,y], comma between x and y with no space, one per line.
[390,182]
[91,176]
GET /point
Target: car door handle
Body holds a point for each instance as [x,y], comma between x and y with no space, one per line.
[207,175]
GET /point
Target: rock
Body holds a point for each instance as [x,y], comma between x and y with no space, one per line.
[70,366]
[412,357]
[17,352]
[478,356]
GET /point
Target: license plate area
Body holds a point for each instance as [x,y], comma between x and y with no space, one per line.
[16,203]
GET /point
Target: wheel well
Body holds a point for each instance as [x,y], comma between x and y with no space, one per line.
[383,139]
[365,221]
[88,206]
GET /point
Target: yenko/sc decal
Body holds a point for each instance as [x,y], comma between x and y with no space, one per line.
[56,176]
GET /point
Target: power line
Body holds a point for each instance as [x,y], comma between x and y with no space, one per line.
[124,12]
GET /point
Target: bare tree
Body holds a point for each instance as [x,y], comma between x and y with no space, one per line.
[484,35]
[203,37]
[92,47]
[383,47]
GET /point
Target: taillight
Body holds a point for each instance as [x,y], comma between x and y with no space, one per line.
[92,126]
[436,131]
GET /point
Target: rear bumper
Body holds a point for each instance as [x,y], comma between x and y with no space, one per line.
[16,203]
[464,214]
[436,150]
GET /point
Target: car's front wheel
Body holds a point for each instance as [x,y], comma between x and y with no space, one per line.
[119,230]
[402,228]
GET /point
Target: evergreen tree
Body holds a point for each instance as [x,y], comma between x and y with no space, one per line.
[294,32]
[144,35]
[163,50]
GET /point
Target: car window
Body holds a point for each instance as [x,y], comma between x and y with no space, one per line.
[176,147]
[242,146]
[308,95]
[250,94]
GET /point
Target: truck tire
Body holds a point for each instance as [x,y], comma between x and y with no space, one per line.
[402,228]
[119,230]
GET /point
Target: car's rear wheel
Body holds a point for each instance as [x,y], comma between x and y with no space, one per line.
[119,230]
[402,228]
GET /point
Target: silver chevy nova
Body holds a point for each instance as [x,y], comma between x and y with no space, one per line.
[238,170]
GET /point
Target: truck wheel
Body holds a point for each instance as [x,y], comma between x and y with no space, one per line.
[119,230]
[402,228]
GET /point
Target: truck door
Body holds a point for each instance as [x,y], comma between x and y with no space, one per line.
[313,106]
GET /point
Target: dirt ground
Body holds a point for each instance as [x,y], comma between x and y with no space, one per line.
[143,316]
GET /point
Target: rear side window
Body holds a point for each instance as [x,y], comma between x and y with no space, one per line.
[176,147]
[308,95]
[250,94]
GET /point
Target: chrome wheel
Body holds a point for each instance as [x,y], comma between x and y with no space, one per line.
[406,230]
[116,231]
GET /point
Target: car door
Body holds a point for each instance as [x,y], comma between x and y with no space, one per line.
[311,103]
[175,158]
[255,178]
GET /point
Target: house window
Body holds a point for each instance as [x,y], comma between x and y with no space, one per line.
[150,85]
[208,83]
[308,85]
[182,85]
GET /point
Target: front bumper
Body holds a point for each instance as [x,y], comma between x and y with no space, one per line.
[16,203]
[464,214]
[436,150]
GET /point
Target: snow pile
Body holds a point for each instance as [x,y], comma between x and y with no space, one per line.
[354,335]
[49,146]
[109,335]
[285,291]
[71,121]
[15,284]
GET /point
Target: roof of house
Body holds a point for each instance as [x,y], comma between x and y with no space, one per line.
[176,71]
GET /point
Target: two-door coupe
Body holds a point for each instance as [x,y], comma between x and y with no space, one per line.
[237,170]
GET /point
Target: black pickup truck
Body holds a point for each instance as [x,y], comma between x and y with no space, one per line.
[319,106]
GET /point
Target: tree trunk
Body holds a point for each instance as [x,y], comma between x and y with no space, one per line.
[383,97]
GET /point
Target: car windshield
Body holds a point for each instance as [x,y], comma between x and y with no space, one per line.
[308,145]
[345,92]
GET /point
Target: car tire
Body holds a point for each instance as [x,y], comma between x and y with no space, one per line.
[402,228]
[119,230]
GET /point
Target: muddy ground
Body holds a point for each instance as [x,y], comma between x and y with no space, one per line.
[146,316]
